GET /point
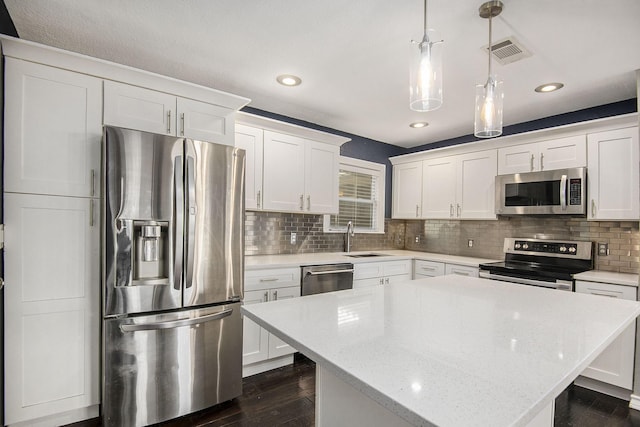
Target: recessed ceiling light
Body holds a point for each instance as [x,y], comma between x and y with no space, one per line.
[549,87]
[418,125]
[289,80]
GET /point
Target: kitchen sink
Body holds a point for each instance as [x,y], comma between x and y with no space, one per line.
[365,255]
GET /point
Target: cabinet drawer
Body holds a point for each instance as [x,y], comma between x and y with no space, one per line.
[396,268]
[606,290]
[269,279]
[461,270]
[428,268]
[367,270]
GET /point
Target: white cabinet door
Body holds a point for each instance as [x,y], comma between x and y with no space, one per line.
[562,153]
[251,140]
[613,178]
[137,108]
[367,270]
[518,159]
[321,177]
[255,339]
[407,190]
[205,122]
[53,129]
[396,268]
[283,172]
[439,188]
[365,283]
[277,347]
[51,306]
[461,270]
[615,364]
[390,280]
[475,194]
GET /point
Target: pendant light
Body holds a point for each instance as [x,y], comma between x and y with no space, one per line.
[425,76]
[489,96]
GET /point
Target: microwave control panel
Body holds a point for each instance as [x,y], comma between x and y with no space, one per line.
[575,191]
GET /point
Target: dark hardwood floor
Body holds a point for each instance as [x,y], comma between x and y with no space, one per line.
[285,397]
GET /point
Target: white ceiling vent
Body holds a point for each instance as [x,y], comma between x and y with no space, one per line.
[507,50]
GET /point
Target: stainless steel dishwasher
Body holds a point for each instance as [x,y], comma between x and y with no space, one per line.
[317,279]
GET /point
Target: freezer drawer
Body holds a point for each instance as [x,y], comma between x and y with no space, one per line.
[164,366]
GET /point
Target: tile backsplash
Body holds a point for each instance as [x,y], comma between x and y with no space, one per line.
[268,233]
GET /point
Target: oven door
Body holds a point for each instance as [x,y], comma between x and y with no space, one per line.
[561,285]
[552,192]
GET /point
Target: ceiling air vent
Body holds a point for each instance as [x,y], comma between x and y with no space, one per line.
[508,50]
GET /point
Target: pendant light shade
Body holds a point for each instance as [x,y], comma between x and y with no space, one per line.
[489,96]
[425,75]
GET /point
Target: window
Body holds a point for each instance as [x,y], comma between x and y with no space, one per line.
[360,197]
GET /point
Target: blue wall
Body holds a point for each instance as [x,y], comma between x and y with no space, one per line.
[379,152]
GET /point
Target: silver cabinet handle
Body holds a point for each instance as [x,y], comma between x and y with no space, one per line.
[154,326]
[381,281]
[563,192]
[604,295]
[93,182]
[169,121]
[532,158]
[258,199]
[308,203]
[386,281]
[275,295]
[458,210]
[270,279]
[182,124]
[91,213]
[417,211]
[428,268]
[593,208]
[302,202]
[541,161]
[451,210]
[266,296]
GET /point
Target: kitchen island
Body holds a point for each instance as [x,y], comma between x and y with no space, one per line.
[445,351]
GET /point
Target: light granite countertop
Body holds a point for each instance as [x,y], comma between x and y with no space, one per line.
[626,279]
[451,350]
[256,262]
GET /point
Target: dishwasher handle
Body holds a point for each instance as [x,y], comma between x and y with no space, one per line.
[319,273]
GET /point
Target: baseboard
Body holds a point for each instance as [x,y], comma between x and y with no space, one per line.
[634,403]
[600,387]
[267,365]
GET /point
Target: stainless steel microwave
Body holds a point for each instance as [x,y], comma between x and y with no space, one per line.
[553,192]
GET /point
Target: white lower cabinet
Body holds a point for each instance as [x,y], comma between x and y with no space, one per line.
[52,309]
[615,365]
[381,273]
[261,350]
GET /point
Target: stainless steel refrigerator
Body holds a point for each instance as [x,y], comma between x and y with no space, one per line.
[173,276]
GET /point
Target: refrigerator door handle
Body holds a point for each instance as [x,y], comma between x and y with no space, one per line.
[178,227]
[154,326]
[190,219]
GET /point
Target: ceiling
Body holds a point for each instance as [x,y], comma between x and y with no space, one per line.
[353,55]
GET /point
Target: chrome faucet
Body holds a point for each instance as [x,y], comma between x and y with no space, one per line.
[350,233]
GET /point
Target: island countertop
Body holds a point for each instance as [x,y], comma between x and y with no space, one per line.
[451,350]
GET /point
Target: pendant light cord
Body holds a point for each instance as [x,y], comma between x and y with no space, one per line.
[425,17]
[490,50]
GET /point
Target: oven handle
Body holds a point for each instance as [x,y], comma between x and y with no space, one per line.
[563,192]
[562,285]
[319,273]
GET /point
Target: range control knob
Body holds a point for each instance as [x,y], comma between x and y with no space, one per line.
[517,246]
[525,246]
[572,249]
[563,249]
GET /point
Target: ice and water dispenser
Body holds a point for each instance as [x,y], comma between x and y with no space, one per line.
[150,265]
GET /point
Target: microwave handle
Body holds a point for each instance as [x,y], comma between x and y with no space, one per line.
[563,192]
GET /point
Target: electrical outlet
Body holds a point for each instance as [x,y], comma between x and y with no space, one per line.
[603,249]
[293,238]
[417,239]
[470,243]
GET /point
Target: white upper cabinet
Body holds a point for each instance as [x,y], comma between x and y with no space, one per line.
[286,172]
[460,187]
[613,177]
[283,172]
[251,140]
[439,187]
[321,177]
[561,153]
[52,130]
[407,190]
[148,110]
